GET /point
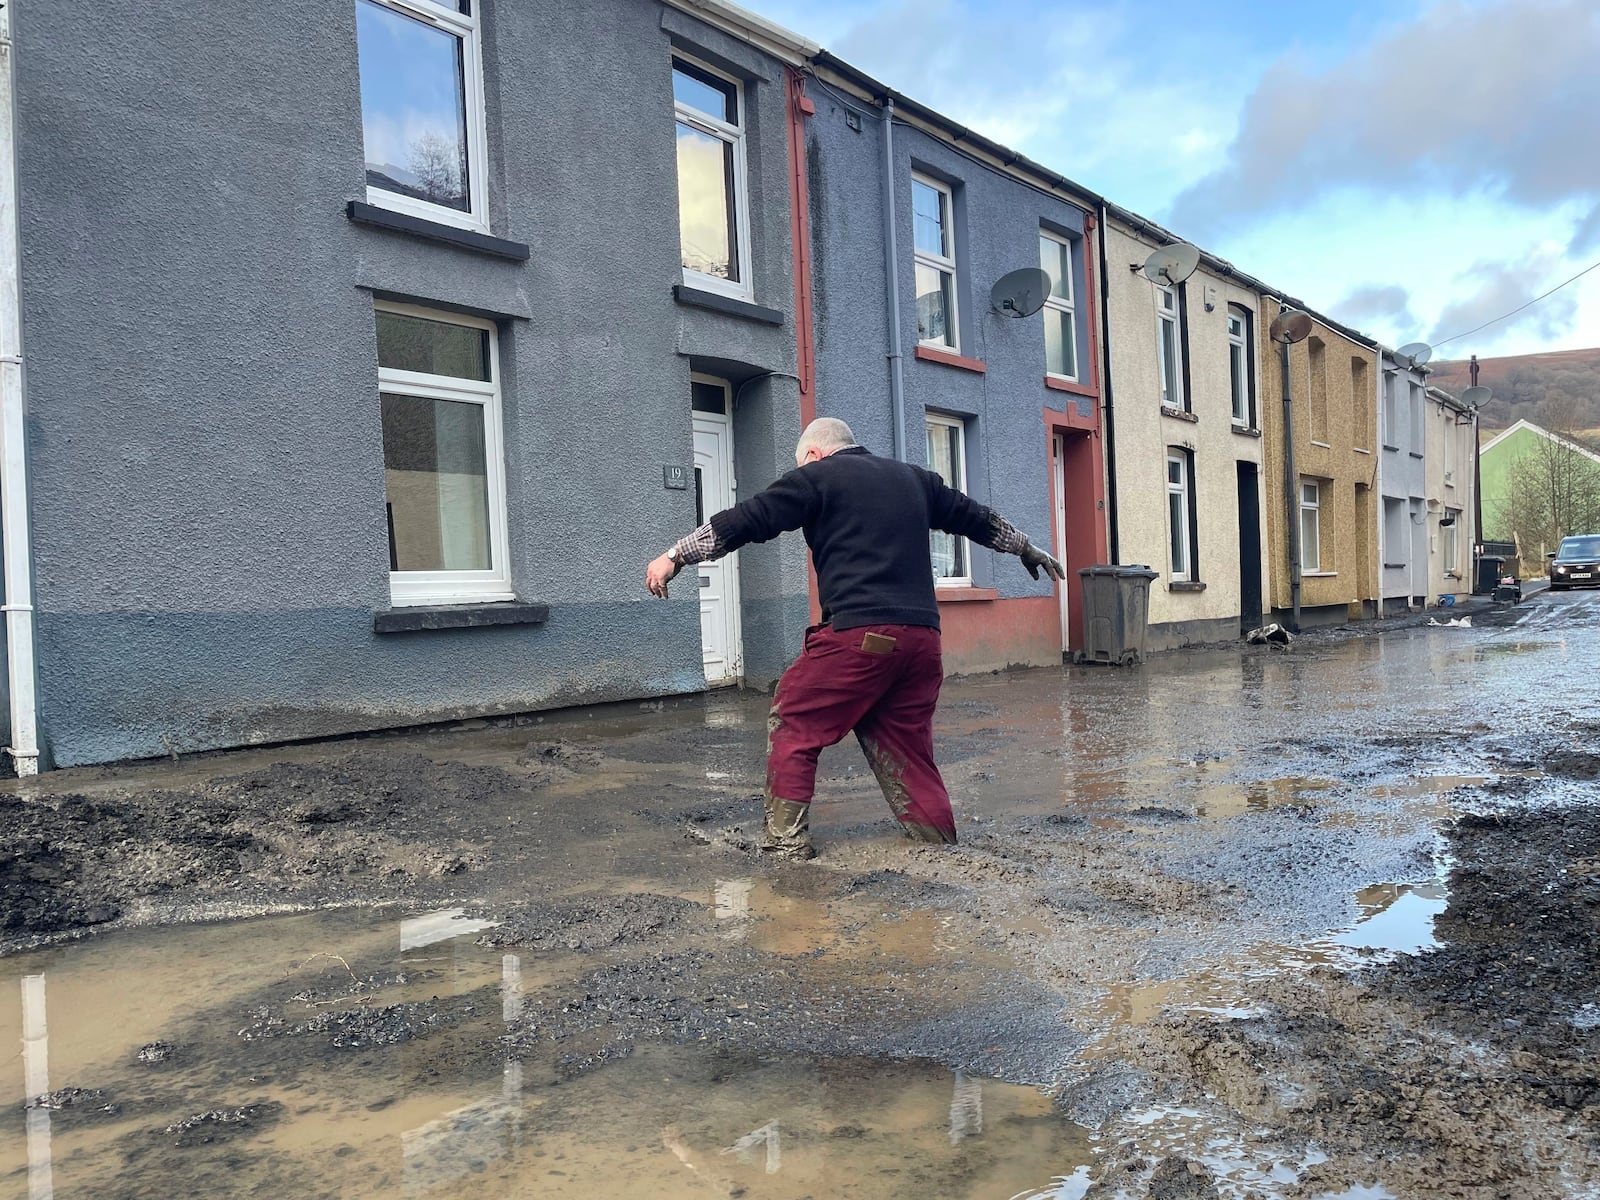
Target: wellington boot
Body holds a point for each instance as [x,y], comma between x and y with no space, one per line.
[788,830]
[916,831]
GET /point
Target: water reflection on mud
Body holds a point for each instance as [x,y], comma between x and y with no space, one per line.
[244,1084]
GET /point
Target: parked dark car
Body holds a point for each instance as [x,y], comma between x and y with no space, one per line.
[1576,563]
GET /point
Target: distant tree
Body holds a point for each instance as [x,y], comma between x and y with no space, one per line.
[435,165]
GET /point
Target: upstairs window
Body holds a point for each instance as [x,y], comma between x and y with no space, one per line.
[443,475]
[422,120]
[713,213]
[1060,318]
[1241,367]
[1391,411]
[933,239]
[947,458]
[1169,348]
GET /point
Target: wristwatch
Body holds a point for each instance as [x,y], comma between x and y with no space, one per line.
[672,553]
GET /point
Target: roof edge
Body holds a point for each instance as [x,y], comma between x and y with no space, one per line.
[775,39]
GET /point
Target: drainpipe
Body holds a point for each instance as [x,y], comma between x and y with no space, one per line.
[1291,485]
[891,250]
[1107,406]
[17,539]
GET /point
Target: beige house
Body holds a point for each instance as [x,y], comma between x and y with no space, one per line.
[1451,438]
[1330,493]
[1184,365]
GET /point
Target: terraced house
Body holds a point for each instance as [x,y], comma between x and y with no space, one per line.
[914,220]
[1322,468]
[1184,367]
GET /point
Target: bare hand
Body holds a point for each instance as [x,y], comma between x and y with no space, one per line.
[659,573]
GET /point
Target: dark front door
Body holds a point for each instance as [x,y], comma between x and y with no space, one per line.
[1249,547]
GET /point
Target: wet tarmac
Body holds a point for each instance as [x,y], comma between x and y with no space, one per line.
[1211,923]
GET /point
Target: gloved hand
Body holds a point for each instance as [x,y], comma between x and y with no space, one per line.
[1033,558]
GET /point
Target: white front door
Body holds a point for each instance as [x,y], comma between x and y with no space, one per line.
[720,638]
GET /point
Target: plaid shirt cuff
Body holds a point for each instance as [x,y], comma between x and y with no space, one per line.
[1005,537]
[702,545]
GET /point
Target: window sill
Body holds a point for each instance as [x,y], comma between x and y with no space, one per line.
[1322,445]
[458,616]
[1319,574]
[715,302]
[949,358]
[1058,384]
[1359,450]
[1247,431]
[397,222]
[962,593]
[1393,449]
[1416,456]
[1394,566]
[1179,414]
[1186,585]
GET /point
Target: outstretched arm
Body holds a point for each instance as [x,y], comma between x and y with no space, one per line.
[956,512]
[787,504]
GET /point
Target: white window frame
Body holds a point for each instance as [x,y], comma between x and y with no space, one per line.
[945,263]
[1173,317]
[1448,467]
[1415,416]
[1239,381]
[1179,537]
[960,485]
[465,27]
[409,588]
[1391,410]
[734,135]
[1310,562]
[1067,304]
[1450,541]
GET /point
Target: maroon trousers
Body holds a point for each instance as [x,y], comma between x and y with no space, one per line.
[886,691]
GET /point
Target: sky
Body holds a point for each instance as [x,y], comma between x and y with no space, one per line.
[1410,167]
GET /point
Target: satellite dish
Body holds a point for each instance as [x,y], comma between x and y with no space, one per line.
[1290,326]
[1170,264]
[1020,293]
[1416,353]
[1476,397]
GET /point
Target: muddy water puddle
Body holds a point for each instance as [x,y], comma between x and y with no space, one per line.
[224,1060]
[1393,919]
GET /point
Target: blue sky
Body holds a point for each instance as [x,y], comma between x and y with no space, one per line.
[1413,167]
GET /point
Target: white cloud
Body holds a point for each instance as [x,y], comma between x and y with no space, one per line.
[1503,93]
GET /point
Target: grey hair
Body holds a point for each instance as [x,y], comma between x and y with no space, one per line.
[825,434]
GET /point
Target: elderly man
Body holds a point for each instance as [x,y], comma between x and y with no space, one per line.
[873,665]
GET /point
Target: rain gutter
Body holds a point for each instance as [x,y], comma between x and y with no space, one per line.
[1107,405]
[16,538]
[891,250]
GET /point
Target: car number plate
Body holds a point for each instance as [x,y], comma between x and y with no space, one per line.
[1582,574]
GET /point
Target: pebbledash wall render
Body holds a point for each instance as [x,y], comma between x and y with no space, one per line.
[207,454]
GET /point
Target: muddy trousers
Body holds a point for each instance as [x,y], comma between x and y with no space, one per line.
[882,682]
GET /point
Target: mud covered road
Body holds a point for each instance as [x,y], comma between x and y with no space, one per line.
[1242,922]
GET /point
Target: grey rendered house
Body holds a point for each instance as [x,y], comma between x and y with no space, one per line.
[1403,519]
[913,221]
[368,357]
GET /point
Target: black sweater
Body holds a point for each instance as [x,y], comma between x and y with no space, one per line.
[866,520]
